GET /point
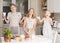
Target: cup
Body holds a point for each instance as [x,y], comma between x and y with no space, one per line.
[22,36]
[33,36]
[4,14]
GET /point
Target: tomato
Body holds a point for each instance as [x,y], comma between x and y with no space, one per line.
[27,36]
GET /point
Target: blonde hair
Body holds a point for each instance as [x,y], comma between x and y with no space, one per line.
[48,12]
[33,16]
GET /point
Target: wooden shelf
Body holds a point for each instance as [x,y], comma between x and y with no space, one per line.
[44,5]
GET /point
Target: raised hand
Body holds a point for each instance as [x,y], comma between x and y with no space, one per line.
[38,17]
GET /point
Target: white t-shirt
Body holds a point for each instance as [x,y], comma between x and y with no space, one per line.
[14,18]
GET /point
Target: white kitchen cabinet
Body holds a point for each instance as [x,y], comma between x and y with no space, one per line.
[53,6]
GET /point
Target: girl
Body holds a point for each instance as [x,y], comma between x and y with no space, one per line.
[30,23]
[47,29]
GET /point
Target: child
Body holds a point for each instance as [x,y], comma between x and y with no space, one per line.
[30,23]
[47,29]
[13,19]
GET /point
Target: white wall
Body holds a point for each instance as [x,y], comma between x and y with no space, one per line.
[1,9]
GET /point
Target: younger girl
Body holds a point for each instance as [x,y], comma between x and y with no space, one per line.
[47,29]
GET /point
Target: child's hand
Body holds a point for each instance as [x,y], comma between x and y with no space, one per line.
[28,33]
[38,18]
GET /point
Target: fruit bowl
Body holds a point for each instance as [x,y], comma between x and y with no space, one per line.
[18,38]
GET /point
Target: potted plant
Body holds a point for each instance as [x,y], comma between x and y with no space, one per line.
[7,35]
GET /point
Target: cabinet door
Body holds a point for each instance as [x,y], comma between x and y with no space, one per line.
[50,5]
[56,6]
[53,6]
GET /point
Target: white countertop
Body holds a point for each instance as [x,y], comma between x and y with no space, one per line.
[37,39]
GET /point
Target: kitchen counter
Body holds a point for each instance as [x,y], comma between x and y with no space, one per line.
[57,29]
[37,39]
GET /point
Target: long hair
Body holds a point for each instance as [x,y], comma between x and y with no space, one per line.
[33,16]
